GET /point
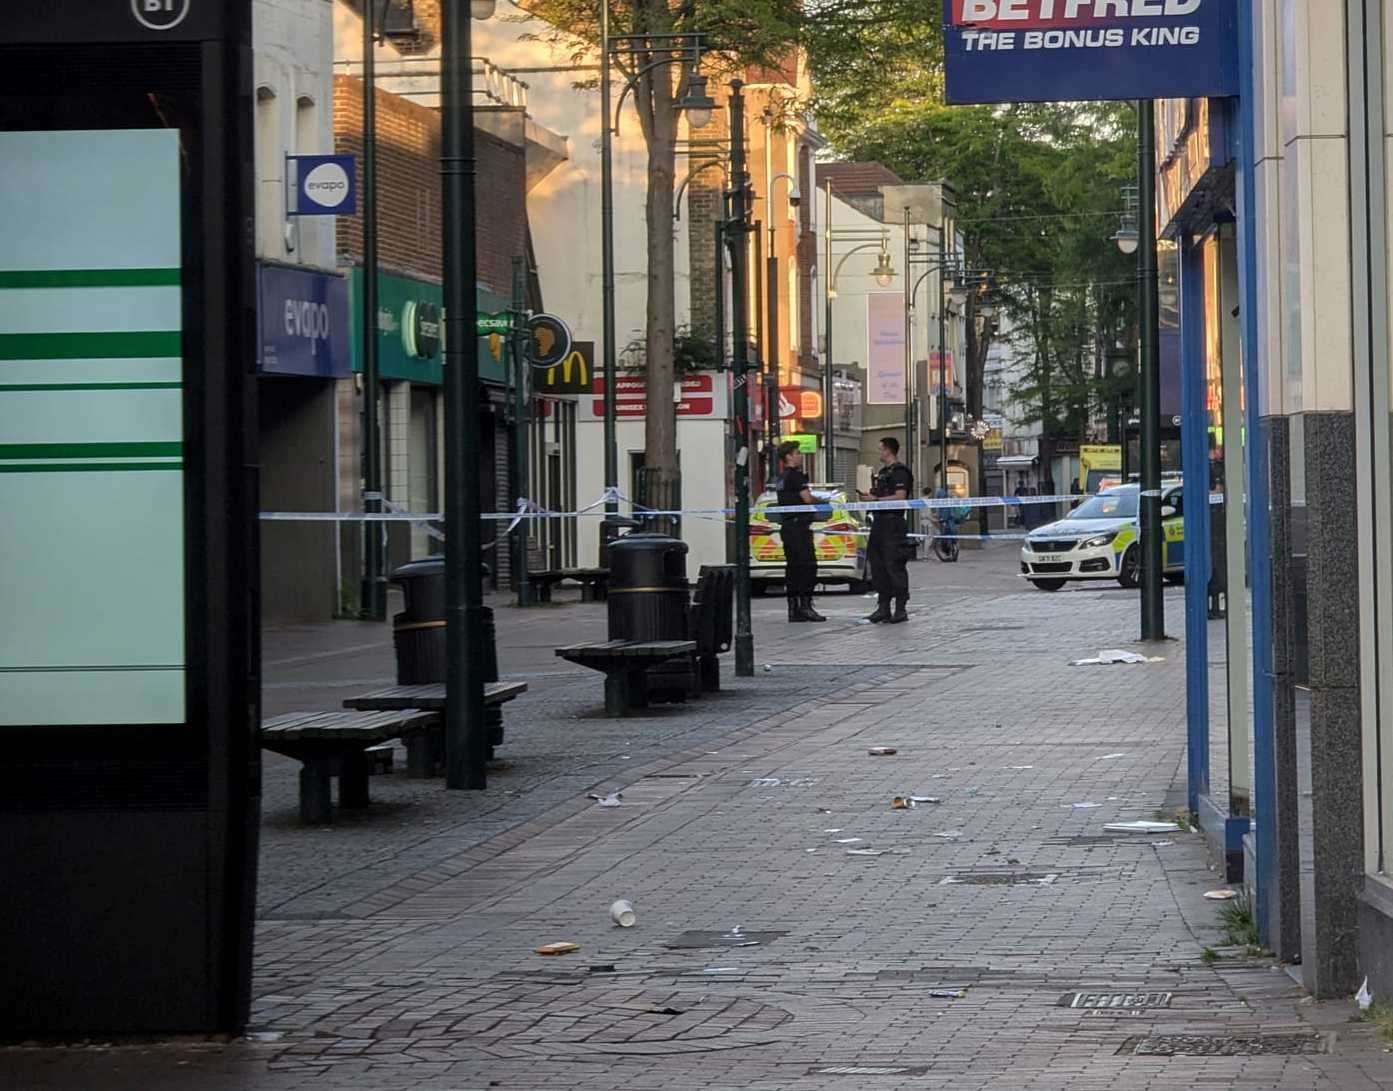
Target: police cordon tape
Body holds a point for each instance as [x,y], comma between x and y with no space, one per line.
[527,509]
[534,511]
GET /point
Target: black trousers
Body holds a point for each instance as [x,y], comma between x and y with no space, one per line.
[887,552]
[800,560]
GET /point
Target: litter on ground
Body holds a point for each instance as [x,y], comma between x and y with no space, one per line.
[614,799]
[563,948]
[881,751]
[1116,655]
[1224,895]
[1141,827]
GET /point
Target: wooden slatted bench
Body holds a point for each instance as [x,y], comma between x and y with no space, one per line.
[425,750]
[329,744]
[594,582]
[625,665]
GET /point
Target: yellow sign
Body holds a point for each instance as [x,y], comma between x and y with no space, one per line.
[572,375]
[992,440]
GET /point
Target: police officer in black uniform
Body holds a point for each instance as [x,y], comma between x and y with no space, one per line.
[796,531]
[889,545]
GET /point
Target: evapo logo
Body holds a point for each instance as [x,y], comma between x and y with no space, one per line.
[327,185]
[160,14]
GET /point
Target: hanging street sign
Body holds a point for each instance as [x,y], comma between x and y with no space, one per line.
[502,322]
[1072,50]
[573,375]
[324,185]
[549,341]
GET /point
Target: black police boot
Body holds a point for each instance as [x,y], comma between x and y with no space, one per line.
[809,614]
[795,608]
[882,612]
[899,615]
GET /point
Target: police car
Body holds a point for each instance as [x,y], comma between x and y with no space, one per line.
[1098,540]
[840,542]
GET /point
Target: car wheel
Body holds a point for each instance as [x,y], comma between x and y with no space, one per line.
[1129,575]
[1175,577]
[1048,585]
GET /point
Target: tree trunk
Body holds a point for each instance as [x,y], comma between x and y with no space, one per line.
[660,447]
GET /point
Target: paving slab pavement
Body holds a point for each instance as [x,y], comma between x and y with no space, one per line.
[1000,938]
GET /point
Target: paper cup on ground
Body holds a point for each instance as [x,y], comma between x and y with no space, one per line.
[622,914]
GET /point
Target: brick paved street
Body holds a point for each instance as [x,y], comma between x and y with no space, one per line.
[395,949]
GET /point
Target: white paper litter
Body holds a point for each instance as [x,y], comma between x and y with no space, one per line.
[865,852]
[1141,827]
[1019,768]
[847,840]
[925,799]
[611,800]
[1084,806]
[1364,997]
[1116,655]
[1224,895]
[950,835]
[1111,757]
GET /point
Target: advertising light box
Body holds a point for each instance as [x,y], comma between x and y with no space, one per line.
[1075,50]
[91,429]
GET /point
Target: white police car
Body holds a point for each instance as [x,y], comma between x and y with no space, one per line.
[1098,540]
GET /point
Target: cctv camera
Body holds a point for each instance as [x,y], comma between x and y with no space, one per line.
[794,197]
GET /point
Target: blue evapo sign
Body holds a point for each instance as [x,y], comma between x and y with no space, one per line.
[1073,50]
[324,185]
[303,320]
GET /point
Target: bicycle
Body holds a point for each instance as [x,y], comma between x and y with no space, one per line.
[944,543]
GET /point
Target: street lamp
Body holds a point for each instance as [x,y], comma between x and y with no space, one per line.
[737,232]
[884,271]
[1127,236]
[648,52]
[466,726]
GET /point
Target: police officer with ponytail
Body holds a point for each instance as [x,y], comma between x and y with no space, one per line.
[889,547]
[796,531]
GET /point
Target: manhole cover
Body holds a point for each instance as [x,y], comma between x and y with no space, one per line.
[867,1070]
[697,940]
[999,878]
[1225,1045]
[1115,1002]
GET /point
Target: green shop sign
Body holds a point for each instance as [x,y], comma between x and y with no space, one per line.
[411,330]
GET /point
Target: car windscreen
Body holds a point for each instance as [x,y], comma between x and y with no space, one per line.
[1116,504]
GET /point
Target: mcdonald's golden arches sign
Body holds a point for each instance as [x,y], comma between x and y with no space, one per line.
[573,375]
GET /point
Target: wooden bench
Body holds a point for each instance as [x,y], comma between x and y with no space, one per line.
[625,664]
[329,744]
[594,582]
[425,750]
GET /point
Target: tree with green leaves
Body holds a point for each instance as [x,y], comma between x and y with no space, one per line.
[1038,193]
[736,33]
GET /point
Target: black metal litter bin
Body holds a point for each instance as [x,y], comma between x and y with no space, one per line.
[648,600]
[648,592]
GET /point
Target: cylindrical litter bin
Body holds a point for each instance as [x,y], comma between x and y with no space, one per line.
[648,600]
[648,588]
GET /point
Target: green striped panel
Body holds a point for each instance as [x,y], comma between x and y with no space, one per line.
[90,346]
[11,451]
[83,467]
[89,386]
[88,278]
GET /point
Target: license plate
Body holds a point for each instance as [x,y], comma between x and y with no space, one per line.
[1049,558]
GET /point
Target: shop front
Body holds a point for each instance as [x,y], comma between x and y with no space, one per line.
[411,411]
[302,361]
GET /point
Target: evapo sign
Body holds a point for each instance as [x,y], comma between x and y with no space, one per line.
[1071,50]
[303,316]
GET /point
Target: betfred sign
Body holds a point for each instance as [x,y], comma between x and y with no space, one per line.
[705,394]
[1070,50]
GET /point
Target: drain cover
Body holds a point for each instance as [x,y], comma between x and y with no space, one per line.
[1225,1045]
[1000,878]
[867,1070]
[1119,1002]
[696,940]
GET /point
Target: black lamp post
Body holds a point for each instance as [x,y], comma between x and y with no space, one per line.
[737,235]
[1153,605]
[466,730]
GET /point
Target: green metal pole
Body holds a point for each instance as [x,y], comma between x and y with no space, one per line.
[1153,607]
[829,434]
[466,728]
[942,355]
[521,428]
[738,238]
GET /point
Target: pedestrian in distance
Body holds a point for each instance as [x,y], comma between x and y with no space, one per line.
[796,532]
[889,547]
